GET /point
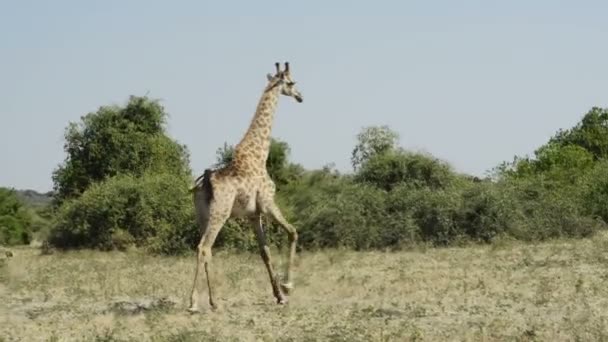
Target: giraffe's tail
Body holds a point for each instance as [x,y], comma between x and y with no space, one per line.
[204,182]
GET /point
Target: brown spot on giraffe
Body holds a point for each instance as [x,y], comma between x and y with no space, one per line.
[244,189]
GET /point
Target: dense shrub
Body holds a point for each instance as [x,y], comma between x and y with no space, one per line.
[330,210]
[137,195]
[152,211]
[487,211]
[15,219]
[595,197]
[352,218]
[431,211]
[398,167]
[547,209]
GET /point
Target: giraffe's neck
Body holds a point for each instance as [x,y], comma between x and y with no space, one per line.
[255,145]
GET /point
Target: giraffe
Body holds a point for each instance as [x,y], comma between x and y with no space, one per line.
[244,189]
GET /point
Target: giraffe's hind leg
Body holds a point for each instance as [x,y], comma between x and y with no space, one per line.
[211,222]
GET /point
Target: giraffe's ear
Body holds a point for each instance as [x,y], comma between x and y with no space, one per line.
[273,82]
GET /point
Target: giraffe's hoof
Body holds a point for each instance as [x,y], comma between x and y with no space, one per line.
[282,301]
[194,310]
[287,288]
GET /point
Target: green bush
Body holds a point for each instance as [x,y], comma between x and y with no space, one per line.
[137,195]
[486,211]
[397,167]
[595,197]
[152,211]
[15,219]
[352,218]
[330,210]
[547,209]
[432,211]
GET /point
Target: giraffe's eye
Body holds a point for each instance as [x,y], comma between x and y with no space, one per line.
[291,84]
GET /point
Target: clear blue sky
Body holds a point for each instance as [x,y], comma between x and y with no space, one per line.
[472,82]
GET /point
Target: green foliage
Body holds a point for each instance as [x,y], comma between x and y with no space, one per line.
[330,210]
[279,168]
[569,153]
[15,219]
[562,191]
[433,211]
[546,209]
[395,167]
[487,211]
[591,133]
[349,219]
[595,192]
[124,183]
[397,197]
[561,163]
[152,211]
[117,140]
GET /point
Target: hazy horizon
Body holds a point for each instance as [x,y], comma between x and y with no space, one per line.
[473,83]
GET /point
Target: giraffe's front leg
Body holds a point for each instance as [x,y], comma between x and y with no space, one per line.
[265,253]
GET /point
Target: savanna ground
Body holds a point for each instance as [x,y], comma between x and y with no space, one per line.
[553,291]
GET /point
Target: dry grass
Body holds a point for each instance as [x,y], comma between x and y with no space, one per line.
[506,292]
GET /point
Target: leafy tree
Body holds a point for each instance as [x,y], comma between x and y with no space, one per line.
[591,133]
[371,141]
[116,140]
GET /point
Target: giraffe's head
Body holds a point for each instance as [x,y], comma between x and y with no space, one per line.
[283,80]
